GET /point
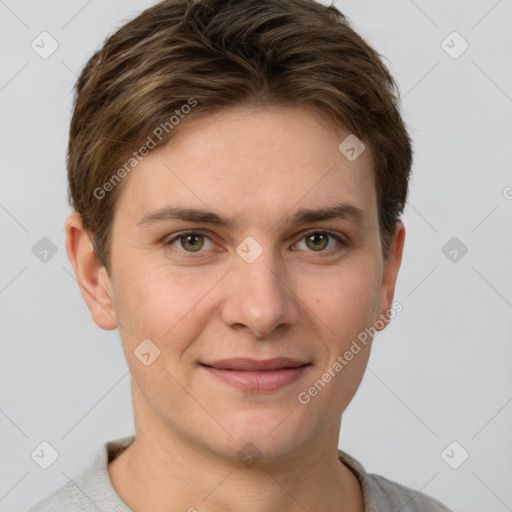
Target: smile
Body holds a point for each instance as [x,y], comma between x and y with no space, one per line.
[256,380]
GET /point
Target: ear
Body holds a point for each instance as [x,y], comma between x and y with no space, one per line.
[91,275]
[390,273]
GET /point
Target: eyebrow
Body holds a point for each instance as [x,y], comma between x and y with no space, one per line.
[302,216]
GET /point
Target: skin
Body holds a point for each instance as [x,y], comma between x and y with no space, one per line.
[257,166]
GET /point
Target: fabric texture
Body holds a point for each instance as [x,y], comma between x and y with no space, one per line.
[93,490]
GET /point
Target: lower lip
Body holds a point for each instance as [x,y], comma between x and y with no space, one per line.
[258,381]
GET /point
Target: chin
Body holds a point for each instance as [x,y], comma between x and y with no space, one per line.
[274,435]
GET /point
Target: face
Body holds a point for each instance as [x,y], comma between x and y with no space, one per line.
[259,276]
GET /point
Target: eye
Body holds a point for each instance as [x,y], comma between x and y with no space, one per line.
[189,241]
[318,240]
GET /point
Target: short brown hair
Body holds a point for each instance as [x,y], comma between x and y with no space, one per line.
[212,54]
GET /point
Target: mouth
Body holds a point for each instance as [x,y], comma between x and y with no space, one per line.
[257,376]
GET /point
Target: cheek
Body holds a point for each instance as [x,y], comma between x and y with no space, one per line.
[341,313]
[343,302]
[162,305]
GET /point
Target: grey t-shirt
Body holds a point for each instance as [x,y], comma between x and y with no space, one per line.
[93,490]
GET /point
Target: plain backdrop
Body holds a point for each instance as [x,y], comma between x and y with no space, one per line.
[439,374]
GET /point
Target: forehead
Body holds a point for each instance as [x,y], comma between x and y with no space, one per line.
[251,164]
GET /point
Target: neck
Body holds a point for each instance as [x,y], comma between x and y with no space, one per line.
[163,471]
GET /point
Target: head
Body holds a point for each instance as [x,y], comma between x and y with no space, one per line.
[268,116]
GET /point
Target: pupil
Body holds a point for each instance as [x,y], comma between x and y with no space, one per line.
[318,243]
[194,246]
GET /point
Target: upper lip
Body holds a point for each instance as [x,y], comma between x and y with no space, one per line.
[247,364]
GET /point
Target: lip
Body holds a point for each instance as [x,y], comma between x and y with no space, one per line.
[248,364]
[257,376]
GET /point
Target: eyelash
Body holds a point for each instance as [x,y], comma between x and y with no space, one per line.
[330,252]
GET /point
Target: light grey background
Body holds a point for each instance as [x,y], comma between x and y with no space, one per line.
[441,372]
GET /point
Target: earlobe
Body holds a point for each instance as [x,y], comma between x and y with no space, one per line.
[91,276]
[390,273]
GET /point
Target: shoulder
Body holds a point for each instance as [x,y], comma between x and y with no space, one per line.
[81,495]
[67,496]
[381,494]
[90,490]
[73,499]
[386,493]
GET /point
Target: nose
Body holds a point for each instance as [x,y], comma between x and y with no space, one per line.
[259,297]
